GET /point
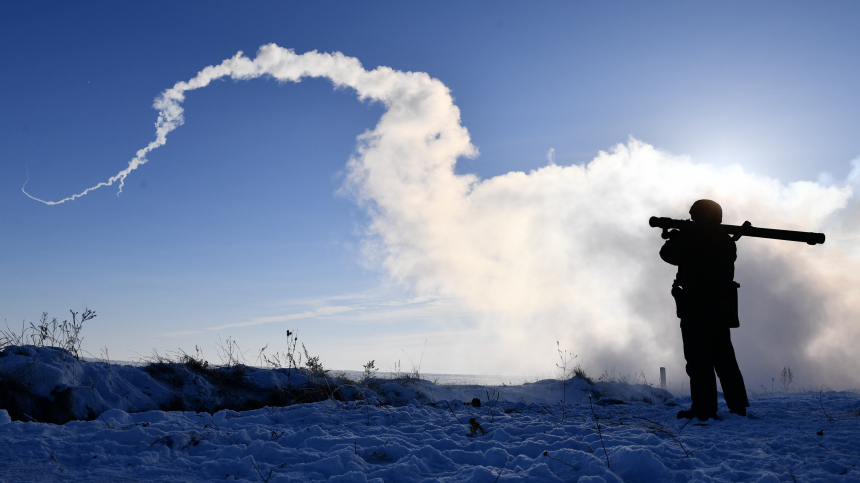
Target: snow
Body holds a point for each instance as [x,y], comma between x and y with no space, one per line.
[406,430]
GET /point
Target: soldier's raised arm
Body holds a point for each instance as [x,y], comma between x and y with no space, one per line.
[677,249]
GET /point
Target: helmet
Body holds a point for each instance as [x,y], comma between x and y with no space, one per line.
[706,211]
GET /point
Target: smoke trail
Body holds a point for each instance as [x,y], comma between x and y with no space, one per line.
[564,252]
[383,84]
[169,118]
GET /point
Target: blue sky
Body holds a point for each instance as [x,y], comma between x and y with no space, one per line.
[240,217]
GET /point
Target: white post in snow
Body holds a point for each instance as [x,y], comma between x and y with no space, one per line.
[662,378]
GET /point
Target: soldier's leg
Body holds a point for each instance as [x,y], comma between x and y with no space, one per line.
[700,367]
[729,373]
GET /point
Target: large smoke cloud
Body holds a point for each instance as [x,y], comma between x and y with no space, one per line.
[564,252]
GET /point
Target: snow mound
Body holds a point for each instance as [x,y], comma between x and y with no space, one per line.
[50,385]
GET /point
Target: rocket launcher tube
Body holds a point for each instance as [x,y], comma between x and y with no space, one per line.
[788,235]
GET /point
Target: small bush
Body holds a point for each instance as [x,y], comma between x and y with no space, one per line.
[289,359]
[230,353]
[610,376]
[195,362]
[579,371]
[370,370]
[65,335]
[787,378]
[313,364]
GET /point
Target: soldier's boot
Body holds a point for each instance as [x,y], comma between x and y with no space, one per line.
[704,416]
[686,414]
[742,411]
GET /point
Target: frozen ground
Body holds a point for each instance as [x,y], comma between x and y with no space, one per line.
[399,430]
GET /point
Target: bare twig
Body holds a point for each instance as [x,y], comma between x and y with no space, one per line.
[546,453]
[566,359]
[665,429]
[452,412]
[550,412]
[813,439]
[821,402]
[599,432]
[684,425]
[264,478]
[490,404]
[687,453]
[787,376]
[502,469]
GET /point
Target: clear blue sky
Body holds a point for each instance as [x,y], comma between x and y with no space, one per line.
[237,218]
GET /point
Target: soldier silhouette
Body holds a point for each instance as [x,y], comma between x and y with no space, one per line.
[706,300]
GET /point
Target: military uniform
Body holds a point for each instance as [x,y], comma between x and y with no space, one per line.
[706,298]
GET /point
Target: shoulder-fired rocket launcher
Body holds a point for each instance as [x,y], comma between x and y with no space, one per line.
[738,231]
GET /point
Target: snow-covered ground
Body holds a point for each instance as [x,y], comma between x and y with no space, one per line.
[401,430]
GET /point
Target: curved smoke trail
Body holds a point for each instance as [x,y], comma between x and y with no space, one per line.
[564,252]
[383,84]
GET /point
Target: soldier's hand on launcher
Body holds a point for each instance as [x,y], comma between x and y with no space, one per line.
[670,234]
[737,236]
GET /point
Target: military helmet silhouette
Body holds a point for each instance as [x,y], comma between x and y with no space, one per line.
[706,211]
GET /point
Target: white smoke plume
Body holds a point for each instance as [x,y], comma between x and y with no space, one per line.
[564,252]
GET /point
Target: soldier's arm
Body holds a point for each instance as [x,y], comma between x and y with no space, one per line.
[676,250]
[733,250]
